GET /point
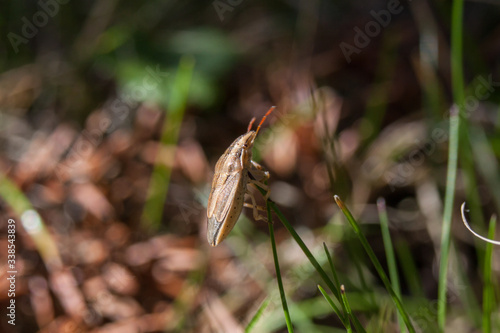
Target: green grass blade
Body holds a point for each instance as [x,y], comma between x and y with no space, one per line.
[410,269]
[306,251]
[488,294]
[160,178]
[332,268]
[335,277]
[350,314]
[457,79]
[389,252]
[257,316]
[376,263]
[345,302]
[356,322]
[278,272]
[333,306]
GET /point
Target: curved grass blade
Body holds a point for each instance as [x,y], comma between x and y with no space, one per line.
[467,225]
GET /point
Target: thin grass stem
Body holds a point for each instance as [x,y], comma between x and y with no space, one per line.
[457,79]
[278,271]
[389,252]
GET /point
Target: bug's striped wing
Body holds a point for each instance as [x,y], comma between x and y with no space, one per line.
[228,191]
[224,188]
[226,203]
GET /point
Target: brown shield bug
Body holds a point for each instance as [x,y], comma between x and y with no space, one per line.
[233,172]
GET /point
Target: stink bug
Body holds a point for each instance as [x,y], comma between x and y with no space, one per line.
[233,172]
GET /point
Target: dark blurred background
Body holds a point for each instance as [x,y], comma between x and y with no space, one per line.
[112,118]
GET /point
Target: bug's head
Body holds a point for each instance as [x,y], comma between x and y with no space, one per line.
[247,139]
[245,144]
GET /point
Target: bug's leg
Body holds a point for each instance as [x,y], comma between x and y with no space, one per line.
[249,205]
[263,186]
[255,208]
[258,171]
[258,176]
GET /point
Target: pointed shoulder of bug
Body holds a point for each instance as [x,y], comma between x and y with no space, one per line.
[238,155]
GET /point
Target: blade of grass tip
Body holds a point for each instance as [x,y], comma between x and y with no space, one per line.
[346,302]
[278,272]
[376,263]
[488,294]
[389,252]
[350,314]
[345,320]
[32,223]
[457,79]
[160,178]
[337,284]
[257,316]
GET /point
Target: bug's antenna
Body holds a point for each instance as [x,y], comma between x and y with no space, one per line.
[250,125]
[264,118]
